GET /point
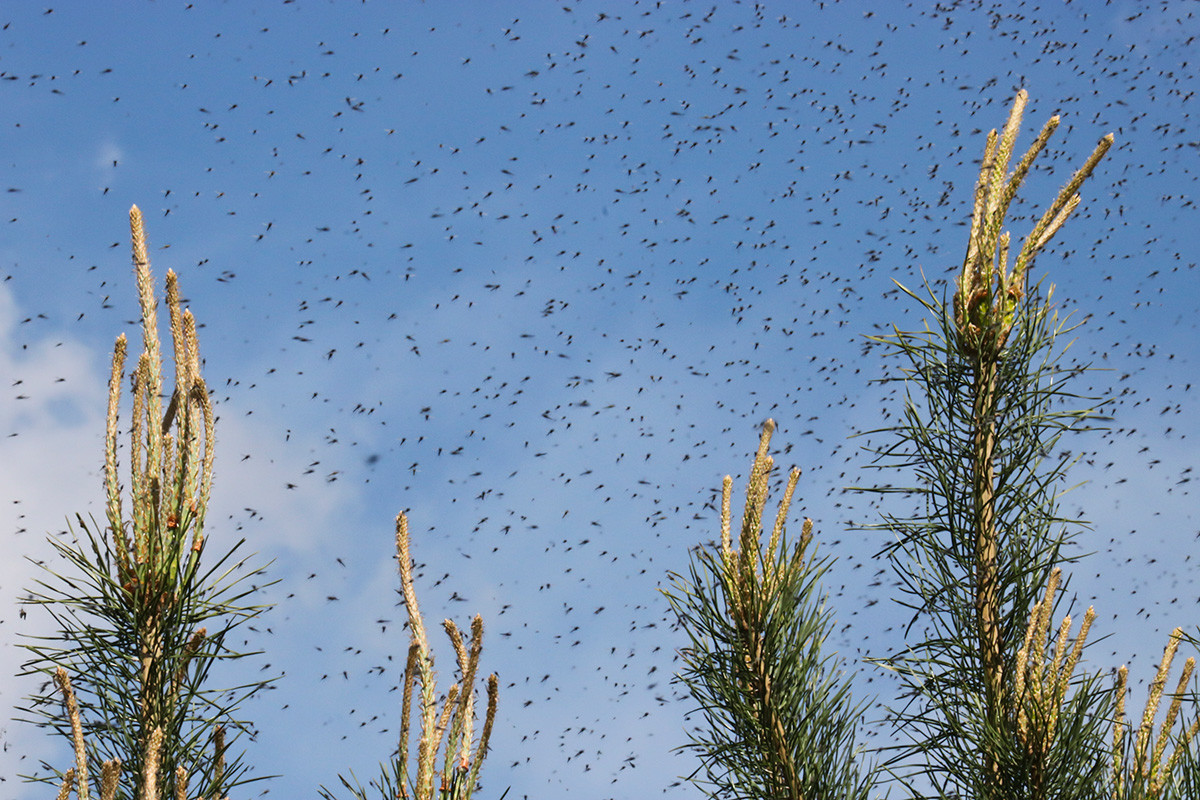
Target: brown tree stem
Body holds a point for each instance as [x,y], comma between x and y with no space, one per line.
[987,600]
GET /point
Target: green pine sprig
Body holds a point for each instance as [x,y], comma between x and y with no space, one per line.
[143,611]
[776,716]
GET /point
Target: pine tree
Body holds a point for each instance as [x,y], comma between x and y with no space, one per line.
[148,609]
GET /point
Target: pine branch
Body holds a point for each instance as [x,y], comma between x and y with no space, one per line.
[778,719]
[142,618]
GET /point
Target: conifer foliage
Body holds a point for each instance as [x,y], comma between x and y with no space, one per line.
[988,397]
[777,717]
[996,702]
[996,699]
[146,610]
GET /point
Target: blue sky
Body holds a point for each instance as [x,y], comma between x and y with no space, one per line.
[537,272]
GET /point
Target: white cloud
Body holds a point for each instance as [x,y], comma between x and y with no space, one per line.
[51,422]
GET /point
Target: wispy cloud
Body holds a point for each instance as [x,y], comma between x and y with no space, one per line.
[51,418]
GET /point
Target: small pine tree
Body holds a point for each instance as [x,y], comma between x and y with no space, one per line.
[778,719]
[448,732]
[996,705]
[984,410]
[147,611]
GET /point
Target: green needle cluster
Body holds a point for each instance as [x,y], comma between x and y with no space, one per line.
[148,610]
[778,721]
